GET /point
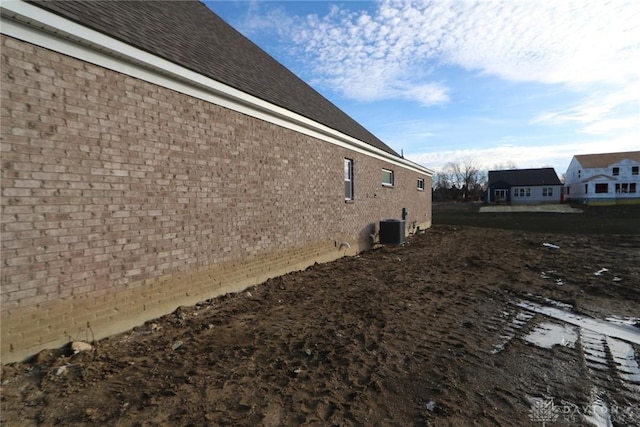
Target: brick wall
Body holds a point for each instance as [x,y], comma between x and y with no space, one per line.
[122,200]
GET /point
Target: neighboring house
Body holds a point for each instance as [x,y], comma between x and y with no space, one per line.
[152,157]
[524,186]
[604,179]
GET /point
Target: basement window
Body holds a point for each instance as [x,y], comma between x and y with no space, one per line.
[602,188]
[387,177]
[348,179]
[420,184]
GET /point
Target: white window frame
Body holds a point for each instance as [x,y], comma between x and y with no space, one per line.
[500,195]
[348,179]
[420,184]
[389,173]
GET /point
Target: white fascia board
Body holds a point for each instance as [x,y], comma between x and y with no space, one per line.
[37,26]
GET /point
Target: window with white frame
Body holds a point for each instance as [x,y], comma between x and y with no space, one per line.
[348,179]
[632,187]
[420,184]
[515,192]
[634,170]
[387,177]
[615,171]
[547,191]
[528,192]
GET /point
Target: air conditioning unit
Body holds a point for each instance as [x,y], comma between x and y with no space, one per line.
[392,231]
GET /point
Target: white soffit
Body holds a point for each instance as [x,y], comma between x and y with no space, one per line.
[37,26]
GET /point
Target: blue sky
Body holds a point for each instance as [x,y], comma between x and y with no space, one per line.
[530,82]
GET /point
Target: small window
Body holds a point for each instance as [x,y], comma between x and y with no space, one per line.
[387,177]
[602,188]
[348,179]
[586,189]
[616,171]
[420,184]
[528,192]
[634,170]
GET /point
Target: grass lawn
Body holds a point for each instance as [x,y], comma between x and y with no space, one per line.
[593,220]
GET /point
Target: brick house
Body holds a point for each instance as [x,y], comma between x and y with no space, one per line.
[152,157]
[524,186]
[604,179]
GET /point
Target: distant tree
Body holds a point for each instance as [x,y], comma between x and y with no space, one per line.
[441,187]
[467,176]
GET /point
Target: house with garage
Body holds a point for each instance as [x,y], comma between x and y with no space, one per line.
[604,179]
[152,157]
[524,186]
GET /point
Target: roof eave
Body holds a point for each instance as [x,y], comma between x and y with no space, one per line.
[63,35]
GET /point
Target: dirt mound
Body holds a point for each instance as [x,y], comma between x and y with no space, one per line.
[426,334]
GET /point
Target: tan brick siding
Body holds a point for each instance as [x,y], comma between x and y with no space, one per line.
[122,199]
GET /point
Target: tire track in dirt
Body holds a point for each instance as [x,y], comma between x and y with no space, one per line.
[395,336]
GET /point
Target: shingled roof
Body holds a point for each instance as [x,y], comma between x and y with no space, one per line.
[604,160]
[525,177]
[189,34]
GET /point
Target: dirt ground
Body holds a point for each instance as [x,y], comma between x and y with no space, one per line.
[428,334]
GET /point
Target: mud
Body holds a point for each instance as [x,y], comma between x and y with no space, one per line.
[430,334]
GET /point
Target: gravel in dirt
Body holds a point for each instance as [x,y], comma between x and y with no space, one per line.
[433,333]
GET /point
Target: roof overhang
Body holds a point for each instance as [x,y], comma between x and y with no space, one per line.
[32,24]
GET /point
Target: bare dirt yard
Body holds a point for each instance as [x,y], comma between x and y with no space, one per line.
[462,326]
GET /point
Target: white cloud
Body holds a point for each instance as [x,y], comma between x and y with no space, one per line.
[389,52]
[557,156]
[407,50]
[602,113]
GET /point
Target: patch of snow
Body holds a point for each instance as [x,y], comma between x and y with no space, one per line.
[625,360]
[623,332]
[551,245]
[547,335]
[599,272]
[600,415]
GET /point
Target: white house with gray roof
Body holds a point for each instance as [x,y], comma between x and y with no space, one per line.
[524,186]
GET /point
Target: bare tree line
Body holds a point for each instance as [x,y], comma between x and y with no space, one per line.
[463,181]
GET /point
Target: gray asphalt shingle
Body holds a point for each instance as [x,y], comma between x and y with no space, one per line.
[525,177]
